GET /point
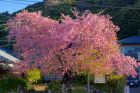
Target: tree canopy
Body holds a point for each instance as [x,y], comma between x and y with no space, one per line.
[86,43]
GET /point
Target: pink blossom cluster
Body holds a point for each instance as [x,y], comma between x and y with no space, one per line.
[87,42]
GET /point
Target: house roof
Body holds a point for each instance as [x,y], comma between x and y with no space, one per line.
[130,40]
[7,55]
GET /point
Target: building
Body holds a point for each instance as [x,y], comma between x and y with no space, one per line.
[8,56]
[7,59]
[131,47]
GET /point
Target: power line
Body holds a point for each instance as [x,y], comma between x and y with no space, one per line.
[27,1]
[15,2]
[20,1]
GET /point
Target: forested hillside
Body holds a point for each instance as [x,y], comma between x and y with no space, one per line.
[125,13]
[3,28]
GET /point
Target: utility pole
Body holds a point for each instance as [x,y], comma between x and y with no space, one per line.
[88,83]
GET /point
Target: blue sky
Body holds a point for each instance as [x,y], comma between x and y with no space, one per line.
[15,5]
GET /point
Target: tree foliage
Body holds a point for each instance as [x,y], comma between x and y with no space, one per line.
[33,75]
[86,43]
[10,84]
[3,28]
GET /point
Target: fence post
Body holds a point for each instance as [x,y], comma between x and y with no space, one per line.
[88,83]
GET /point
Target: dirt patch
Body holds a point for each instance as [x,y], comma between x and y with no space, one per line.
[40,87]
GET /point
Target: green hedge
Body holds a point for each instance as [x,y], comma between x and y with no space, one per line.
[54,86]
[78,89]
[33,75]
[80,79]
[11,83]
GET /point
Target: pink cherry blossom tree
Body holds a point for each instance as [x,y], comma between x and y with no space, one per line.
[87,42]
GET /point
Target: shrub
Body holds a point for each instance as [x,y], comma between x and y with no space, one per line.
[117,82]
[80,79]
[54,86]
[79,90]
[33,75]
[11,83]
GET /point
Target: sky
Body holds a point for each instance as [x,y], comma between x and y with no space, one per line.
[15,5]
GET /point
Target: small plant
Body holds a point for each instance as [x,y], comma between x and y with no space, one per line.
[80,79]
[33,75]
[11,83]
[79,89]
[54,86]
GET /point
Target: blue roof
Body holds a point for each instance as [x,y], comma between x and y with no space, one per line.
[8,52]
[130,40]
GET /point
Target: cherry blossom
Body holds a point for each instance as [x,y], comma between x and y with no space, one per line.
[87,42]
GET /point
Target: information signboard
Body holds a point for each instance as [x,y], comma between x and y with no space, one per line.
[99,78]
